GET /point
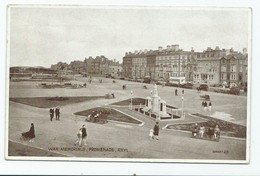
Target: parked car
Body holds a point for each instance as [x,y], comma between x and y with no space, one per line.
[122,78]
[187,85]
[234,91]
[172,84]
[140,80]
[147,79]
[204,87]
[160,82]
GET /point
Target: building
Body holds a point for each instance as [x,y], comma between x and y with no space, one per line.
[215,66]
[127,65]
[77,66]
[234,69]
[212,66]
[115,69]
[159,64]
[100,65]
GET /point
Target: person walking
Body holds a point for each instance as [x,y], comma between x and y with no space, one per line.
[205,106]
[176,92]
[210,106]
[182,91]
[84,135]
[156,130]
[51,111]
[57,113]
[79,140]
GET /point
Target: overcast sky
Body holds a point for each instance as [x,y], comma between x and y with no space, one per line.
[45,36]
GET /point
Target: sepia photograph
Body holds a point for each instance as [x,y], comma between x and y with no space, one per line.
[128,83]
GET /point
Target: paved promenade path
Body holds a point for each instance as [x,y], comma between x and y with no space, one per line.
[125,141]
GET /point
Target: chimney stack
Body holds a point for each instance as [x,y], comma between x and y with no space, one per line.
[244,50]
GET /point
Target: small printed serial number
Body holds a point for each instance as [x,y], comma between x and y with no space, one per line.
[220,151]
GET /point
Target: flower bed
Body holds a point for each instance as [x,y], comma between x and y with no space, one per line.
[105,115]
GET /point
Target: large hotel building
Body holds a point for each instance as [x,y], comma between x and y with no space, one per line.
[212,66]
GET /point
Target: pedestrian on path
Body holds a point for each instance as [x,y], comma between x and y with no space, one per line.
[156,130]
[79,140]
[210,106]
[176,92]
[57,113]
[51,111]
[205,106]
[30,135]
[84,135]
[151,134]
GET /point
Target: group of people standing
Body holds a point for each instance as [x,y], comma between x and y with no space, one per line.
[176,92]
[202,131]
[55,111]
[206,106]
[82,136]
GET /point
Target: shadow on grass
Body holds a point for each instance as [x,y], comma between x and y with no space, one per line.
[48,102]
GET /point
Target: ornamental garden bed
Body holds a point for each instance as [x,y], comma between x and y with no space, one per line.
[48,102]
[106,114]
[227,128]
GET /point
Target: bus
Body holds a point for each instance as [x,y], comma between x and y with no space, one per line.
[177,80]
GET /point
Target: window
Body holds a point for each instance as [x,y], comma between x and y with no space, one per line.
[223,76]
[223,68]
[233,68]
[240,69]
[232,77]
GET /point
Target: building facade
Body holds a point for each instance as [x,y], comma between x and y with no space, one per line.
[115,69]
[159,64]
[212,66]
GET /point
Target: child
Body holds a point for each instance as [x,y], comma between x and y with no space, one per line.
[151,134]
[201,131]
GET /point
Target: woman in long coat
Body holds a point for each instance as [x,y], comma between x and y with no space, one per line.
[156,130]
[30,134]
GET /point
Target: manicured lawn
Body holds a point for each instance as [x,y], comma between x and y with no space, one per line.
[107,114]
[48,102]
[16,149]
[135,101]
[227,128]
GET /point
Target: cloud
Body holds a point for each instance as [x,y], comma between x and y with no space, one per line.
[44,36]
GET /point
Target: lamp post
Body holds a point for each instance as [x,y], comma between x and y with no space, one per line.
[182,99]
[131,100]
